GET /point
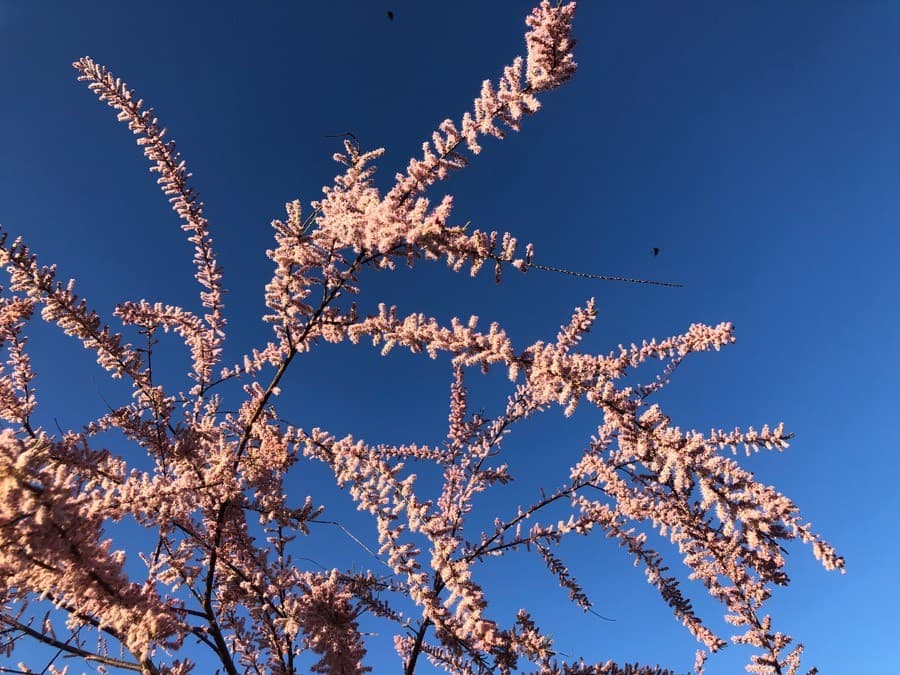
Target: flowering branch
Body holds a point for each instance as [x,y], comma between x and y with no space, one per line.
[224,534]
[173,178]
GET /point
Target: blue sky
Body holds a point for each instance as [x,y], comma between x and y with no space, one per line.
[757,145]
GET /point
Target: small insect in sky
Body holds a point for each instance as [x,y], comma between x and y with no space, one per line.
[655,251]
[390,15]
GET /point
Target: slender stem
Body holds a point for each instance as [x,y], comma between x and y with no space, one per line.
[144,666]
[417,648]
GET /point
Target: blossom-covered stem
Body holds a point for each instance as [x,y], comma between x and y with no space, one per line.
[292,348]
[258,407]
[549,64]
[140,667]
[50,640]
[144,665]
[173,177]
[62,306]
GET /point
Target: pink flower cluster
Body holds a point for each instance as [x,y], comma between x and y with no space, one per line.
[221,570]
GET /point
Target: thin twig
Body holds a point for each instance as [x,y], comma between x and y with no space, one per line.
[603,277]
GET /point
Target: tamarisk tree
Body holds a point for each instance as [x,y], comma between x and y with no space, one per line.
[224,567]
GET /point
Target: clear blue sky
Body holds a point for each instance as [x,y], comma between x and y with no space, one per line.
[757,145]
